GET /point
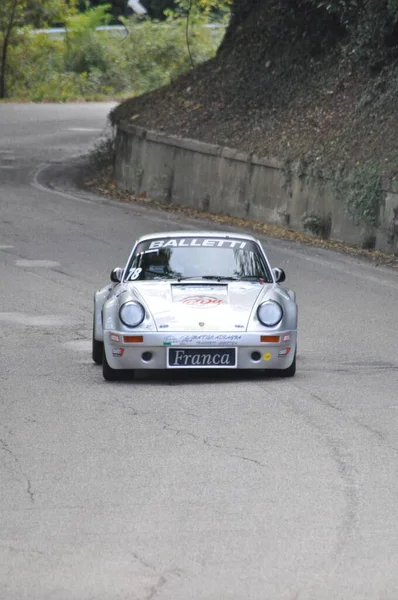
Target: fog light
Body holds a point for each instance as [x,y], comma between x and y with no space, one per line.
[146,356]
[255,356]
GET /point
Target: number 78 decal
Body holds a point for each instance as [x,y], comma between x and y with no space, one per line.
[134,274]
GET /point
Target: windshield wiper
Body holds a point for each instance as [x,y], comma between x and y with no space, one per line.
[222,277]
[216,277]
[219,277]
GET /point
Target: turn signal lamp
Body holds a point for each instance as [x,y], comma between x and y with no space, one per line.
[133,339]
[270,338]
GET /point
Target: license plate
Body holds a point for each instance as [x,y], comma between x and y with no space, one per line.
[201,358]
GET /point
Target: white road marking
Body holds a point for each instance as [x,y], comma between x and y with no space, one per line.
[6,247]
[17,318]
[37,263]
[42,188]
[84,129]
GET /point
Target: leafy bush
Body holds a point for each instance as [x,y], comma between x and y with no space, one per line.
[34,60]
[93,64]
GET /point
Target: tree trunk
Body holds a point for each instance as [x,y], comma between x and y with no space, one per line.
[6,41]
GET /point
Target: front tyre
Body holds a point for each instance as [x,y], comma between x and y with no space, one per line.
[97,351]
[97,348]
[110,374]
[290,371]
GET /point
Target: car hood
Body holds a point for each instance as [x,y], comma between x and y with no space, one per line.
[200,306]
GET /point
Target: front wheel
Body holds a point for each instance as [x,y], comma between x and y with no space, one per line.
[290,371]
[97,348]
[110,374]
[97,351]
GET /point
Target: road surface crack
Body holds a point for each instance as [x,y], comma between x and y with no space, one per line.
[210,444]
[6,448]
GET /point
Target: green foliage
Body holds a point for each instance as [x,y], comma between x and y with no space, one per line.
[17,13]
[39,13]
[85,51]
[361,191]
[34,62]
[358,188]
[118,8]
[93,64]
[158,54]
[161,9]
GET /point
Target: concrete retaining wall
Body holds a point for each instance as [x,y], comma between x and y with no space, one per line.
[224,181]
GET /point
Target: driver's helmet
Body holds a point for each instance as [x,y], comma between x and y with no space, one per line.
[158,261]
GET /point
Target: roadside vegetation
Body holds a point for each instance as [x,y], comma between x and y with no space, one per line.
[89,64]
[313,83]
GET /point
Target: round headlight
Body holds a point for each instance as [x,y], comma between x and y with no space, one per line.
[269,313]
[132,313]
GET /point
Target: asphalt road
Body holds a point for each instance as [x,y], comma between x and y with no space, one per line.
[229,487]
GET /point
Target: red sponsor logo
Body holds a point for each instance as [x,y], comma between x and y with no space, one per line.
[202,301]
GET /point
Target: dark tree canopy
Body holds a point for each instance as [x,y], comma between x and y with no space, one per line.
[156,8]
[368,26]
[118,8]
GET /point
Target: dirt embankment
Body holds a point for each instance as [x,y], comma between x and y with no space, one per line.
[290,97]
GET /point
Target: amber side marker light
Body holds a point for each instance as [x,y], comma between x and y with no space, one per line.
[270,338]
[133,339]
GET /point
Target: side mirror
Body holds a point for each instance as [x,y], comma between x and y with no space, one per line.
[279,275]
[116,275]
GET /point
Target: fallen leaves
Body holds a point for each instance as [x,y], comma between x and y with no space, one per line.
[107,186]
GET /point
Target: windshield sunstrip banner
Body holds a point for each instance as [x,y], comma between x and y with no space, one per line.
[196,243]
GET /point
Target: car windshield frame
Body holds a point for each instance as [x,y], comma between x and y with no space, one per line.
[133,270]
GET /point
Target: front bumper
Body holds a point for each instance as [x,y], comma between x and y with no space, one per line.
[152,351]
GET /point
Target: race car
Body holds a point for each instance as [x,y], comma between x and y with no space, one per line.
[195,300]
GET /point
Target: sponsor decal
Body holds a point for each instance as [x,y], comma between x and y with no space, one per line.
[197,243]
[117,352]
[198,289]
[286,337]
[267,356]
[239,326]
[204,338]
[202,301]
[283,353]
[209,357]
[163,326]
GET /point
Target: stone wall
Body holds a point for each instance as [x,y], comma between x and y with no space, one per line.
[220,180]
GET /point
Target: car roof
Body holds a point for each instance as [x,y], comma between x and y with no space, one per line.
[198,233]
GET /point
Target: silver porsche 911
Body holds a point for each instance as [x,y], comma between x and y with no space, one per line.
[195,300]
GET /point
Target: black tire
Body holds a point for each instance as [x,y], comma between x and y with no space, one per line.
[110,374]
[97,351]
[97,348]
[290,371]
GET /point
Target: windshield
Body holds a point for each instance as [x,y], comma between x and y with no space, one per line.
[207,258]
